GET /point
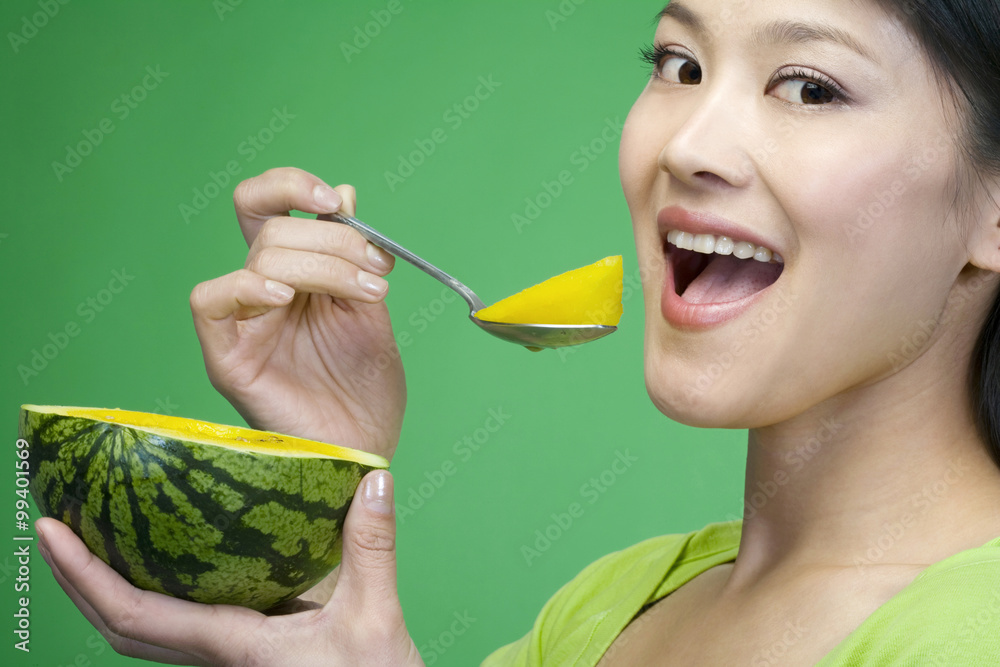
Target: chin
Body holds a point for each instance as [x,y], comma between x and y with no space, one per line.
[671,386]
[674,388]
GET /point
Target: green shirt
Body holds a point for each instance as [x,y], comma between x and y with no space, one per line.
[948,615]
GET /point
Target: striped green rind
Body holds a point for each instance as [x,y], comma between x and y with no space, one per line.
[196,521]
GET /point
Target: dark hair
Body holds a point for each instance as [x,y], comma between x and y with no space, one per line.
[962,39]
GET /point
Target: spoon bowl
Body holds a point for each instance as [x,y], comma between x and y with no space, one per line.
[535,337]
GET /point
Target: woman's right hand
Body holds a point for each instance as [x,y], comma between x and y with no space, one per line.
[299,340]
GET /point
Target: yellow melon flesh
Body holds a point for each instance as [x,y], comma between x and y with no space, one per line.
[220,435]
[591,294]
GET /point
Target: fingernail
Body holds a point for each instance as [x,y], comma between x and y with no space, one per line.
[378,257]
[372,284]
[377,493]
[327,198]
[280,290]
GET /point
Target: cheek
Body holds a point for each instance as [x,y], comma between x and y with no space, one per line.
[637,156]
[872,220]
[878,211]
[847,190]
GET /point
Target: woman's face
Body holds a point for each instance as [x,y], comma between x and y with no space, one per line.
[818,131]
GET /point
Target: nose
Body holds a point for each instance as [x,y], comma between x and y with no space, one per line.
[707,148]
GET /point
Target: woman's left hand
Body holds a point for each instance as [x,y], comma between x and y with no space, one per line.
[360,624]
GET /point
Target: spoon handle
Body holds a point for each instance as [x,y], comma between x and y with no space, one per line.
[383,241]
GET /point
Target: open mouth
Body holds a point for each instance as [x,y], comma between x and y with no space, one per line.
[728,271]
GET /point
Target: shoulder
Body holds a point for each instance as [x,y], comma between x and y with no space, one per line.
[949,615]
[608,592]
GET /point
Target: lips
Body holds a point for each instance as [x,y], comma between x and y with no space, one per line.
[718,287]
[676,217]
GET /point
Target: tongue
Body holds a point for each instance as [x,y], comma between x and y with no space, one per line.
[728,278]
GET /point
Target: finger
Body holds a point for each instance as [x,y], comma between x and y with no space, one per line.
[217,307]
[350,197]
[278,192]
[367,580]
[321,236]
[121,645]
[141,616]
[321,274]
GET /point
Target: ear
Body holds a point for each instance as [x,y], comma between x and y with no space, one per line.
[984,231]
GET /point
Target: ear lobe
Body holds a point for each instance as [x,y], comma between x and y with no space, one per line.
[984,239]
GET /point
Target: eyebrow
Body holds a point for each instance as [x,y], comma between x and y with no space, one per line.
[777,32]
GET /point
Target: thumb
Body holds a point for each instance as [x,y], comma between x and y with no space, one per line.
[367,578]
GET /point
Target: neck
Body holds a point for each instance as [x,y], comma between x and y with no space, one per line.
[888,474]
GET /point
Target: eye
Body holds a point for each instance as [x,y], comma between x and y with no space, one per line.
[671,65]
[799,87]
[678,69]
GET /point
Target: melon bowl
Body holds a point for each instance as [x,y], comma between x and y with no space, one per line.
[204,512]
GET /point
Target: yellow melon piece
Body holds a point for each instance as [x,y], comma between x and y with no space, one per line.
[591,294]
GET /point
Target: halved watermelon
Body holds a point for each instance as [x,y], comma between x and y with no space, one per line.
[201,511]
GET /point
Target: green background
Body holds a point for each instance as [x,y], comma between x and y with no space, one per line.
[227,68]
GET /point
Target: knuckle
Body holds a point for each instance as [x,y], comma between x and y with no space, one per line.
[269,233]
[375,541]
[234,647]
[338,271]
[346,240]
[125,622]
[290,180]
[245,282]
[265,262]
[200,296]
[243,193]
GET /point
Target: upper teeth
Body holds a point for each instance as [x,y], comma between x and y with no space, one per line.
[722,245]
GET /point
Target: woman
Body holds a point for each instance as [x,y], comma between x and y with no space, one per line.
[815,194]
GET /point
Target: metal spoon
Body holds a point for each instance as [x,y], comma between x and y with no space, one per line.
[532,336]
